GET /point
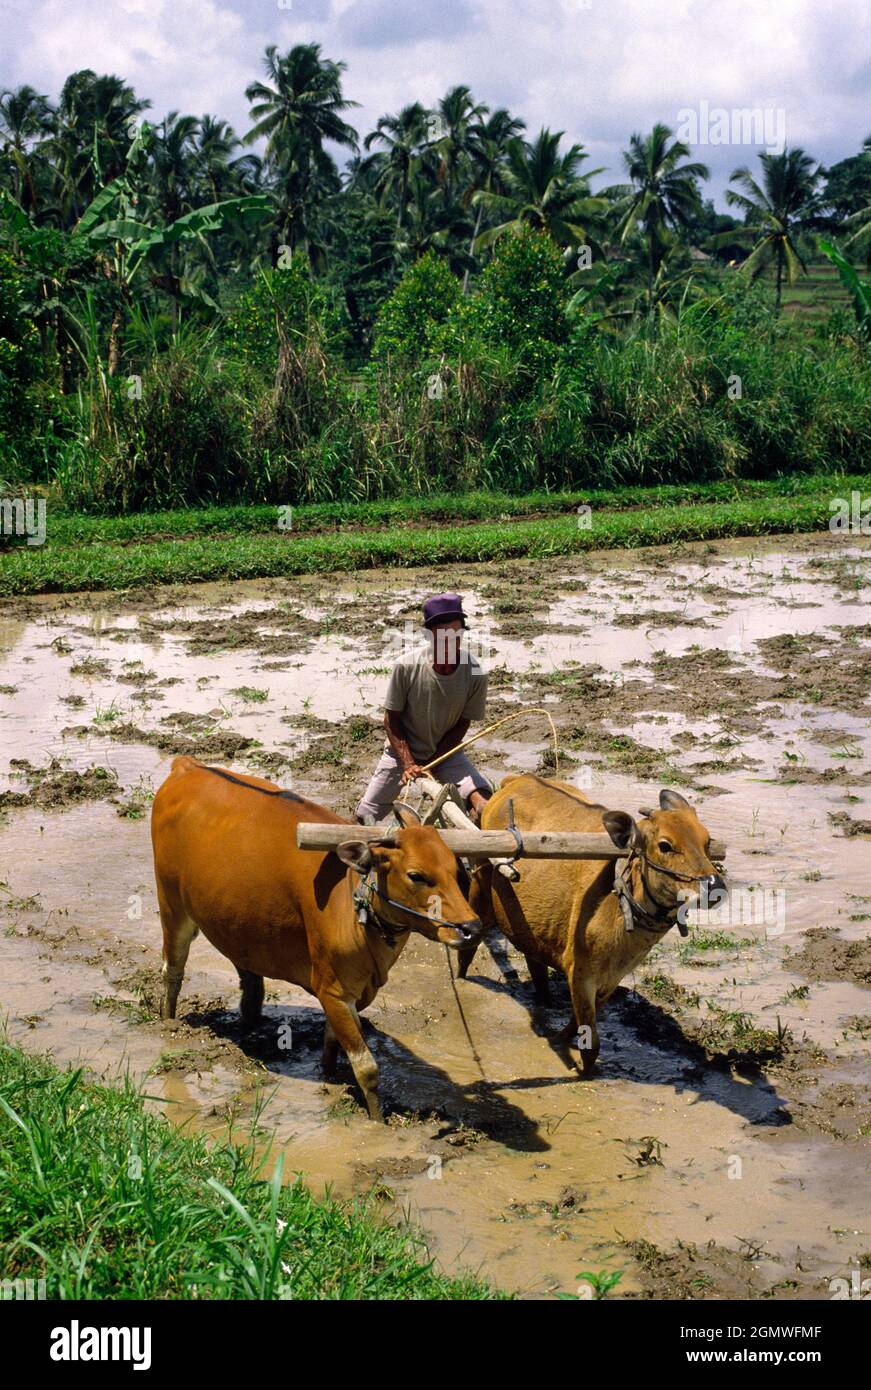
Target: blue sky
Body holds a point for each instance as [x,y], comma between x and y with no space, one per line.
[597,69]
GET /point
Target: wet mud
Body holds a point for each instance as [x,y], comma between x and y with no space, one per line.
[721,1149]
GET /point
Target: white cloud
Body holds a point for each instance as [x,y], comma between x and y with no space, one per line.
[598,73]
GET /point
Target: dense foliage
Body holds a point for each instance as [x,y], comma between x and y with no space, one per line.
[183,320]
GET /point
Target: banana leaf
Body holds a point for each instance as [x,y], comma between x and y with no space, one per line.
[860,290]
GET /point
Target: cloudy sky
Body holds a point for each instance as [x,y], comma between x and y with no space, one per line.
[597,69]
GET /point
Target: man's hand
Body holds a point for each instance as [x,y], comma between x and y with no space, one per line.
[410,772]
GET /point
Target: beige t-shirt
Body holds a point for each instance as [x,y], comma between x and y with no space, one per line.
[431,704]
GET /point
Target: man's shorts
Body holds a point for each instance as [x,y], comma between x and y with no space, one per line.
[386,784]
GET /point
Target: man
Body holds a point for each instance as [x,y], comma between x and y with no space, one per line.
[433,695]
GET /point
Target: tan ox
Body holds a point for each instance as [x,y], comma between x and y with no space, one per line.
[226,864]
[565,914]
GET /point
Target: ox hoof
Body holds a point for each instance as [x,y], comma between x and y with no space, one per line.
[251,1003]
[587,1061]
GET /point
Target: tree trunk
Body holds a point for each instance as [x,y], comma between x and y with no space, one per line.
[472,246]
[651,275]
[115,342]
[173,268]
[779,279]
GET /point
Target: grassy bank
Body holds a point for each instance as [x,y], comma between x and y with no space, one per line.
[103,1200]
[67,528]
[236,543]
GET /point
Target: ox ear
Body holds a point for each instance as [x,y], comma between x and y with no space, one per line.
[355,853]
[622,829]
[406,815]
[673,801]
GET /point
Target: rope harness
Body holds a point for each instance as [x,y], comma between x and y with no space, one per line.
[367,916]
[634,913]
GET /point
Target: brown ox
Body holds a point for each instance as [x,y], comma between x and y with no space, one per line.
[565,914]
[226,864]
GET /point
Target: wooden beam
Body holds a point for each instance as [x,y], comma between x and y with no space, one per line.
[481,844]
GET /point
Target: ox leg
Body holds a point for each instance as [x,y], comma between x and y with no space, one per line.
[251,1002]
[584,1023]
[331,1049]
[343,1019]
[481,904]
[540,980]
[465,956]
[178,933]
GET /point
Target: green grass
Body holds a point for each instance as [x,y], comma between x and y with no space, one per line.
[816,294]
[104,1200]
[240,543]
[67,528]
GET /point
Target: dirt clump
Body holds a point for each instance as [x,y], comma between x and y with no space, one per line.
[55,787]
[289,631]
[826,955]
[821,668]
[844,822]
[690,1271]
[216,744]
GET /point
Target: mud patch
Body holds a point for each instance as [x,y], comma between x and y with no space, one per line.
[715,1051]
[848,825]
[690,1271]
[216,744]
[825,955]
[55,787]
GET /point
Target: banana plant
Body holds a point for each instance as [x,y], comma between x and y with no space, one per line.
[860,290]
[126,245]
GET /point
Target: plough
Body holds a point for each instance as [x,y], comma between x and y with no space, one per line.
[502,847]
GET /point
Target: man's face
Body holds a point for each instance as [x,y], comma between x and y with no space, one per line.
[446,640]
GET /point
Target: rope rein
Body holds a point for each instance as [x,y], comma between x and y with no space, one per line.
[488,729]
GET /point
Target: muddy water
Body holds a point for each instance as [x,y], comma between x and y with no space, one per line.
[513,1165]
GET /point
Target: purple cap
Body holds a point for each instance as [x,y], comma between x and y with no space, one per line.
[443,608]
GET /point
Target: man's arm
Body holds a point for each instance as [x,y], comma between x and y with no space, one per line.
[399,743]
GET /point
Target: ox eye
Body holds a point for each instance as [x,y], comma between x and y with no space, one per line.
[665,847]
[416,877]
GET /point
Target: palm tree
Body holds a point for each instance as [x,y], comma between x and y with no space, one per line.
[173,150]
[456,117]
[25,117]
[488,148]
[306,98]
[92,131]
[219,169]
[404,137]
[784,207]
[296,111]
[662,197]
[861,181]
[171,171]
[433,225]
[543,189]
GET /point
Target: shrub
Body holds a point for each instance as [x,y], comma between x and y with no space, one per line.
[280,306]
[184,441]
[407,328]
[19,361]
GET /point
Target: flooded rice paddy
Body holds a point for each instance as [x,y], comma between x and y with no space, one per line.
[721,1149]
